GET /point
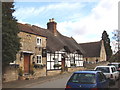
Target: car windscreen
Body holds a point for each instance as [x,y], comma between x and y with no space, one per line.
[83,78]
[103,69]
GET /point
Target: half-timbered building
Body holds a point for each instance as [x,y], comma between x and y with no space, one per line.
[46,51]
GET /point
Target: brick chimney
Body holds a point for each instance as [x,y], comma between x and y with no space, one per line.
[51,25]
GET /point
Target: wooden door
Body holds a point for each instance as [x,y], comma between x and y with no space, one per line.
[63,64]
[26,63]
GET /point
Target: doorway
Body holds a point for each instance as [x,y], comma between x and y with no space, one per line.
[26,63]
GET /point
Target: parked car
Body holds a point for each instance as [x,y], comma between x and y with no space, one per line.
[109,71]
[90,80]
[117,65]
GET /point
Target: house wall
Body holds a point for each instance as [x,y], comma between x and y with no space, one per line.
[102,53]
[69,59]
[101,58]
[28,44]
[91,59]
[51,58]
[78,60]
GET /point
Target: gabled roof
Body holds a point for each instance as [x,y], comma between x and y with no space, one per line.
[54,43]
[92,49]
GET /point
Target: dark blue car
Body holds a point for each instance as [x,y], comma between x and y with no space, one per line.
[87,80]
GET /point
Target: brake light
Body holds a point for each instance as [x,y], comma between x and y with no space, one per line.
[111,76]
[68,86]
[94,88]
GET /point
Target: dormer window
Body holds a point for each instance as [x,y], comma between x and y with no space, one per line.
[39,41]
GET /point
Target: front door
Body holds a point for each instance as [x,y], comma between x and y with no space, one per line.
[63,64]
[26,63]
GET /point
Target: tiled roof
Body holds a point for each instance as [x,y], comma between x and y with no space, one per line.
[54,43]
[92,49]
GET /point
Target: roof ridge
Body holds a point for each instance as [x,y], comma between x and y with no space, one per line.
[90,42]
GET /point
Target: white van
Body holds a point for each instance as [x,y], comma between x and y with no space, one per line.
[109,71]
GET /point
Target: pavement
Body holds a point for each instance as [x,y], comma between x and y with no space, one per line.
[27,83]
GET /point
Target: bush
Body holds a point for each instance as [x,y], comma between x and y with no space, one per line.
[20,71]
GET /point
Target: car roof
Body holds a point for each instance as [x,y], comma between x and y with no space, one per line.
[88,71]
[114,63]
[105,66]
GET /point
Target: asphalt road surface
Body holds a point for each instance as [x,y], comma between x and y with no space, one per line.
[61,83]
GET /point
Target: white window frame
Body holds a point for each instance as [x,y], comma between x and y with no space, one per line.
[39,60]
[39,41]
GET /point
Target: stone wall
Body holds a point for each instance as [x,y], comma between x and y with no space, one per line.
[54,72]
[92,59]
[39,73]
[72,69]
[102,53]
[11,74]
[28,42]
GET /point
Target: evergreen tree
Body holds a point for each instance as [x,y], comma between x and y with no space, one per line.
[10,39]
[105,38]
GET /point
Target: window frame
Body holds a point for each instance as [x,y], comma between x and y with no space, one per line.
[38,41]
[39,61]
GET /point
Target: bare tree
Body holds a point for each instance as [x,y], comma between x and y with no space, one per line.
[116,37]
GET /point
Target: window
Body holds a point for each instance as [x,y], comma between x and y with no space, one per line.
[113,70]
[83,78]
[55,60]
[72,60]
[101,77]
[39,59]
[39,41]
[103,69]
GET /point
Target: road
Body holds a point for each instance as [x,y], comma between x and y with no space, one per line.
[60,83]
[117,84]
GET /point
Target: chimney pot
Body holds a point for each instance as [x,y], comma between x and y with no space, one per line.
[53,20]
[50,20]
[51,25]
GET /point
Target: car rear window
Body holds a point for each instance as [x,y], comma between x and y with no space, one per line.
[103,69]
[83,78]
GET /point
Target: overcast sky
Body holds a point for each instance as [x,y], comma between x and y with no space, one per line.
[84,20]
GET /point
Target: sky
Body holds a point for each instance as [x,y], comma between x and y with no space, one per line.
[84,20]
